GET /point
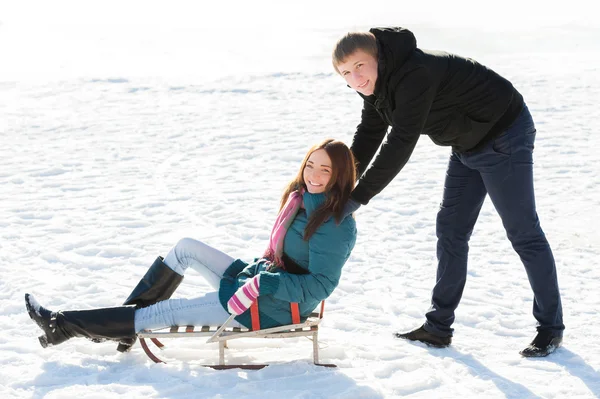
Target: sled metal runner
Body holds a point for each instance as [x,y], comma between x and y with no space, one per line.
[222,334]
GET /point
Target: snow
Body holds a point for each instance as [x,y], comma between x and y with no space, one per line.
[127,126]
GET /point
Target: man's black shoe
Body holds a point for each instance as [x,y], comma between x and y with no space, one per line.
[542,345]
[422,335]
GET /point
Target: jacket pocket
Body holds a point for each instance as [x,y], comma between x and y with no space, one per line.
[462,132]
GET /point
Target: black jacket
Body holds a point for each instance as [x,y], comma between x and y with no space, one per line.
[454,100]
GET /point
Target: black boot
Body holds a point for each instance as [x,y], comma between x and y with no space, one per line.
[542,345]
[94,324]
[158,284]
[422,335]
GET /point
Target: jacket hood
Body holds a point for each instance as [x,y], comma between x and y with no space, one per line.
[395,45]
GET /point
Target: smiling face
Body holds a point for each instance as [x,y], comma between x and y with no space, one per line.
[317,172]
[359,70]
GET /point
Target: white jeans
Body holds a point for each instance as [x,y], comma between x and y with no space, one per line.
[205,310]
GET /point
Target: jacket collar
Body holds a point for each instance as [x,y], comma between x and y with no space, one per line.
[313,201]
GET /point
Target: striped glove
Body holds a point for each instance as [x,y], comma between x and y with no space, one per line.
[244,296]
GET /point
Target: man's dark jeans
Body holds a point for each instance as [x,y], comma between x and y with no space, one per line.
[502,168]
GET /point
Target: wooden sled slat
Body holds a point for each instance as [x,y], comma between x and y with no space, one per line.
[222,334]
[288,330]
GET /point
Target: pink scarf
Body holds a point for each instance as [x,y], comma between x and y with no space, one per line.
[283,222]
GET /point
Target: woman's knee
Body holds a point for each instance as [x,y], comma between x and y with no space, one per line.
[177,257]
[185,244]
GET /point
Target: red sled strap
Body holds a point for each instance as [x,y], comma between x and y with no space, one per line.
[256,318]
[295,313]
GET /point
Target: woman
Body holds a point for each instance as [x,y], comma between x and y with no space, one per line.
[309,244]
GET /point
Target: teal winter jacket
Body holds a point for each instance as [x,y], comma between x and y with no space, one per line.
[322,256]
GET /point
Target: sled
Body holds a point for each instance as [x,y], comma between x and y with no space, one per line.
[221,334]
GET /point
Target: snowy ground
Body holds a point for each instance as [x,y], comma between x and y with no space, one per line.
[127,127]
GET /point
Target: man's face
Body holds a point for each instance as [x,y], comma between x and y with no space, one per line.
[359,70]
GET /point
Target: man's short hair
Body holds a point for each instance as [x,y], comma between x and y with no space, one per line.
[352,42]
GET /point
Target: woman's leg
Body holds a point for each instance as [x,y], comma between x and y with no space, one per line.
[205,310]
[206,260]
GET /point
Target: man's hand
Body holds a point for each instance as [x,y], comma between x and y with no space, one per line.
[350,207]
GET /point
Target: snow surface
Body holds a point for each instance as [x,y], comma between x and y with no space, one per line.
[128,125]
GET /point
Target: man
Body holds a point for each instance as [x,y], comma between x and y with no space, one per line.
[460,103]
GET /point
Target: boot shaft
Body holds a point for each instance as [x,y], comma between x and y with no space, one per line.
[158,284]
[94,324]
[98,324]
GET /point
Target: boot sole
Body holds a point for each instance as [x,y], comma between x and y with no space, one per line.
[124,348]
[31,311]
[29,308]
[44,341]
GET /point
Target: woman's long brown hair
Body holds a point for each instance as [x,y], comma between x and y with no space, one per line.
[337,192]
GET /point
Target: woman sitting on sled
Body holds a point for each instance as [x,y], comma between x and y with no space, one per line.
[309,244]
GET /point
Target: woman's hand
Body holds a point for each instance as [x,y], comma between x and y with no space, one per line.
[244,296]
